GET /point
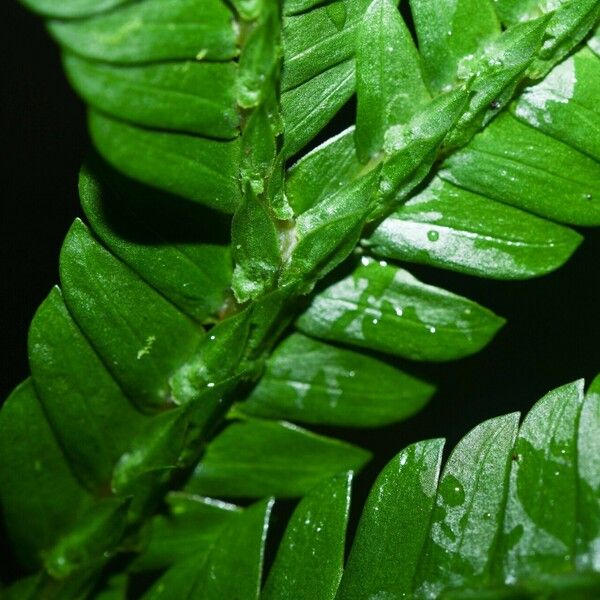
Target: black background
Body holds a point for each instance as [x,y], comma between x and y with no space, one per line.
[553,331]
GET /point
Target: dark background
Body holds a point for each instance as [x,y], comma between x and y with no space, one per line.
[553,331]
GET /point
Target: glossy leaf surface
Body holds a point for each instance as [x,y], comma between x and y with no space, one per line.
[192,97]
[200,169]
[154,235]
[333,386]
[261,458]
[539,532]
[310,558]
[26,441]
[389,83]
[393,526]
[151,31]
[189,529]
[141,349]
[387,309]
[564,105]
[450,33]
[76,391]
[238,549]
[455,229]
[171,85]
[71,8]
[468,510]
[420,539]
[514,163]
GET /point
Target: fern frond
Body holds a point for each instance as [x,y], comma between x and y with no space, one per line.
[158,329]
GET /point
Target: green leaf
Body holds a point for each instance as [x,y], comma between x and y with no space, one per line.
[393,526]
[291,7]
[261,458]
[248,9]
[494,76]
[314,41]
[339,217]
[310,558]
[90,542]
[448,227]
[189,529]
[76,391]
[570,22]
[219,358]
[70,8]
[191,97]
[389,84]
[412,148]
[142,349]
[154,454]
[155,235]
[309,107]
[255,243]
[333,386]
[588,492]
[260,56]
[152,31]
[563,105]
[540,532]
[387,309]
[199,169]
[31,460]
[451,33]
[322,172]
[238,550]
[513,11]
[468,510]
[513,163]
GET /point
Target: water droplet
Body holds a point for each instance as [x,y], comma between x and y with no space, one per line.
[375,321]
[432,329]
[383,263]
[364,261]
[588,196]
[210,385]
[487,515]
[452,491]
[433,235]
[352,373]
[213,337]
[399,311]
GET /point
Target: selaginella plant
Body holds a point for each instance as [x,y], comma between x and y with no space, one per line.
[228,283]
